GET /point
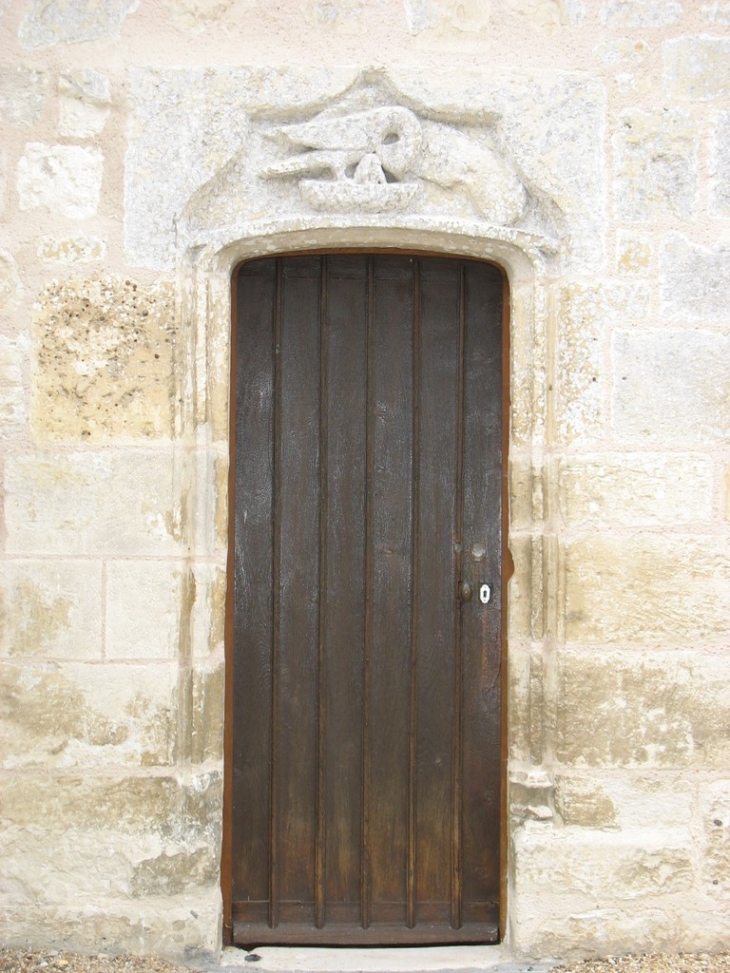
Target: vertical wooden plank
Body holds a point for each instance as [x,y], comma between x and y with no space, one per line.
[252,582]
[481,633]
[275,604]
[415,528]
[439,543]
[346,405]
[391,543]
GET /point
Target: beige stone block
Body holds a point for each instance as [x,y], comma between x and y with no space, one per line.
[720,163]
[635,489]
[346,17]
[64,179]
[695,281]
[670,387]
[71,250]
[197,15]
[662,590]
[83,106]
[144,607]
[85,714]
[697,68]
[166,810]
[621,709]
[448,15]
[656,164]
[584,803]
[633,253]
[208,714]
[641,13]
[50,609]
[23,93]
[716,12]
[103,353]
[11,289]
[13,409]
[88,502]
[583,313]
[50,22]
[603,865]
[208,610]
[714,811]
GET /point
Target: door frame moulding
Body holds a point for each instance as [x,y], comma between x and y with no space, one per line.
[203,356]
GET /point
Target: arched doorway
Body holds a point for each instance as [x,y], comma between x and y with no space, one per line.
[366,599]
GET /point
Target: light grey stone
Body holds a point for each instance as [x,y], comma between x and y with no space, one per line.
[656,164]
[671,386]
[92,502]
[22,95]
[11,288]
[695,284]
[83,106]
[697,68]
[65,179]
[144,601]
[51,22]
[716,13]
[641,13]
[469,16]
[13,407]
[720,162]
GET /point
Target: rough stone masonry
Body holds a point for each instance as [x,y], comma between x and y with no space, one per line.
[584,145]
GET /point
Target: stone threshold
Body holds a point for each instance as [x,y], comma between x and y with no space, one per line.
[394,959]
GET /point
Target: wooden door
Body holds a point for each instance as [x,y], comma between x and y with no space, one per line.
[366,694]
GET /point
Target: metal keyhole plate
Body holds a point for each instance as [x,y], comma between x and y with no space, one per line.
[485,593]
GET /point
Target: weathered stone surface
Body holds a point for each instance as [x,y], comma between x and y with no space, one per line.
[615,709]
[347,17]
[656,164]
[13,408]
[641,13]
[199,14]
[83,106]
[584,803]
[208,714]
[447,15]
[51,22]
[635,489]
[664,590]
[715,814]
[695,281]
[65,179]
[633,253]
[720,188]
[583,313]
[209,610]
[103,359]
[71,250]
[85,714]
[621,865]
[697,67]
[144,603]
[11,289]
[92,503]
[50,609]
[716,12]
[22,95]
[670,386]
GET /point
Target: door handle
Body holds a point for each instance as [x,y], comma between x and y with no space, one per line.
[466,591]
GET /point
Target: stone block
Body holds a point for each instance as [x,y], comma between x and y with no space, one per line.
[714,811]
[583,314]
[13,409]
[633,253]
[84,100]
[717,12]
[697,68]
[87,502]
[103,352]
[11,289]
[50,609]
[667,590]
[22,95]
[144,607]
[720,162]
[71,250]
[51,22]
[208,714]
[656,164]
[448,15]
[670,387]
[641,13]
[83,714]
[618,709]
[209,610]
[197,15]
[627,799]
[64,179]
[695,282]
[618,866]
[585,804]
[635,490]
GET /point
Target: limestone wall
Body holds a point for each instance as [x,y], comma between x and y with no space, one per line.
[583,144]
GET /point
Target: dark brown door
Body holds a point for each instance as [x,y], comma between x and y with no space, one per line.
[366,699]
